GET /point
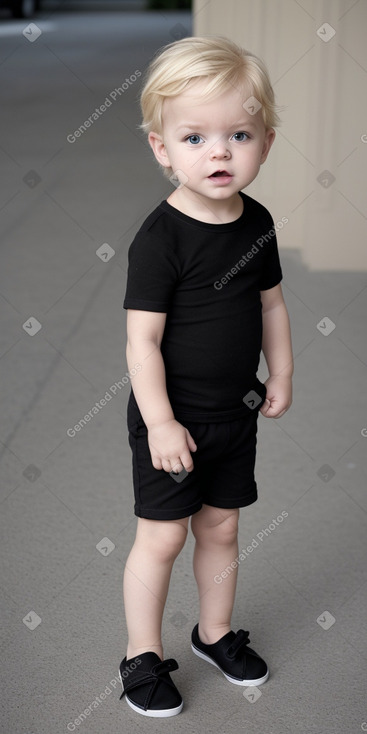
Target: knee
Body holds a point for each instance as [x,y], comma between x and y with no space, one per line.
[216,526]
[164,539]
[169,542]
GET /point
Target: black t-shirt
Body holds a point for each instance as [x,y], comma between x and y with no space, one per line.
[207,278]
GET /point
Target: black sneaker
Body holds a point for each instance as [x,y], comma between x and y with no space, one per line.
[150,690]
[238,663]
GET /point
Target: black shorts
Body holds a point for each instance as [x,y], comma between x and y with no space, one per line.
[223,474]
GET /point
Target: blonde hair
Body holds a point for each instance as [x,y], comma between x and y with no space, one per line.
[214,58]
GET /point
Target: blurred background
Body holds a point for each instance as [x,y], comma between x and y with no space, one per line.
[318,87]
[78,179]
[29,8]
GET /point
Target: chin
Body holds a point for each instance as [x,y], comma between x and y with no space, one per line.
[222,193]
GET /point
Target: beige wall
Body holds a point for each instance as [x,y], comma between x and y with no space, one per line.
[322,86]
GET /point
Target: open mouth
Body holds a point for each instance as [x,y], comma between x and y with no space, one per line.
[219,174]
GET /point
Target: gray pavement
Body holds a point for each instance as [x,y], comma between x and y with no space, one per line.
[66,494]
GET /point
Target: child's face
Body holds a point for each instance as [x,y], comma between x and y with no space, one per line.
[217,145]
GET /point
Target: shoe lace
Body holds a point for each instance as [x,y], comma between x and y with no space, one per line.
[141,678]
[240,641]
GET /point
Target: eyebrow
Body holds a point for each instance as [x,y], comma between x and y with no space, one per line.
[194,126]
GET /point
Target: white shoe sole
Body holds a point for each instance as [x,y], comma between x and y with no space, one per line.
[156,713]
[253,682]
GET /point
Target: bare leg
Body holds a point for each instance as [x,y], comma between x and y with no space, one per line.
[146,581]
[216,548]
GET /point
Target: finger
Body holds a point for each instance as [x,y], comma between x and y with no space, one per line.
[156,463]
[265,407]
[166,465]
[276,412]
[176,467]
[271,412]
[191,443]
[186,460]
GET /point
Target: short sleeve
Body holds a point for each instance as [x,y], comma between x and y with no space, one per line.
[152,274]
[272,272]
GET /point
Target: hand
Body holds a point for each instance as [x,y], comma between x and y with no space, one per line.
[278,397]
[170,444]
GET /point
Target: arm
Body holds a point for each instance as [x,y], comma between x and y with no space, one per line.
[277,349]
[170,443]
[144,336]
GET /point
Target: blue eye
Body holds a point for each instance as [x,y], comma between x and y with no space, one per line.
[194,139]
[240,137]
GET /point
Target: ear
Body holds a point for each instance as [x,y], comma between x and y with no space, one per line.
[159,149]
[268,142]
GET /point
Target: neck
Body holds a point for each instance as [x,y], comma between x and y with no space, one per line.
[204,209]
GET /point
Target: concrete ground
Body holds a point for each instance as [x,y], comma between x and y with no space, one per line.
[66,494]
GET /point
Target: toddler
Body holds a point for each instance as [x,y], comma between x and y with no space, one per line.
[203,298]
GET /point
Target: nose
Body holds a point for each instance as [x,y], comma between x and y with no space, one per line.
[219,149]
